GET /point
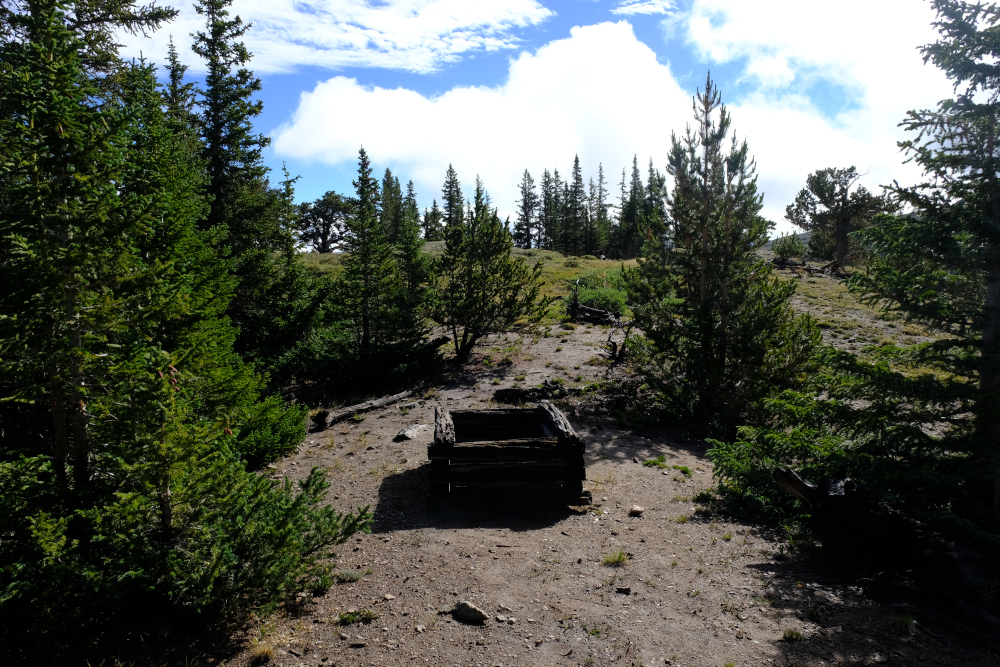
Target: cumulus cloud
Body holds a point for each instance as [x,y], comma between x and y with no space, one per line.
[600,93]
[629,7]
[604,94]
[863,51]
[411,35]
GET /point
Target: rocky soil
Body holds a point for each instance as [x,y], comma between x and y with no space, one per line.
[685,588]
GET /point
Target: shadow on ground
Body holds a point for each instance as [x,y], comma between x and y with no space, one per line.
[404,504]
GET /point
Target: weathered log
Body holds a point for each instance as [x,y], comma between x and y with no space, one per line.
[335,416]
[444,427]
[516,395]
[555,424]
[539,473]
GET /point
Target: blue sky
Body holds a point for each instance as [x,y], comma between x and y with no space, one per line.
[498,86]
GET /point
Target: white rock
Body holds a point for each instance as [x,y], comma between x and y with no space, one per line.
[411,432]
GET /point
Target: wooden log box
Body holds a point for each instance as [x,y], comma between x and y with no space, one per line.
[521,453]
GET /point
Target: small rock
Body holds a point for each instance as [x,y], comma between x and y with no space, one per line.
[665,472]
[411,432]
[343,635]
[501,618]
[635,459]
[624,590]
[466,612]
[295,653]
[636,510]
[359,644]
[409,406]
[512,620]
[531,620]
[389,596]
[420,628]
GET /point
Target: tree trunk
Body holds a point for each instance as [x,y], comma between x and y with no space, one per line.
[843,228]
[988,403]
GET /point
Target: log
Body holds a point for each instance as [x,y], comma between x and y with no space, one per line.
[554,422]
[444,427]
[340,415]
[544,473]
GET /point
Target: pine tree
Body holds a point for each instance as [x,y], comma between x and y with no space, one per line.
[526,205]
[433,226]
[391,209]
[384,328]
[546,214]
[179,96]
[451,199]
[576,211]
[832,208]
[722,330]
[940,266]
[482,289]
[124,469]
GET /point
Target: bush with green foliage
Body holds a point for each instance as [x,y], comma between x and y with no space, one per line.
[787,246]
[481,288]
[605,289]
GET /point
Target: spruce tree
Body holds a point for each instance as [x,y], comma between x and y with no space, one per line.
[433,225]
[451,199]
[127,475]
[722,331]
[384,328]
[576,211]
[391,205]
[526,205]
[546,213]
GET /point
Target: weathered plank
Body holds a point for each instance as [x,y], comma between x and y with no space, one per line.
[477,425]
[340,415]
[444,427]
[475,454]
[535,473]
[554,422]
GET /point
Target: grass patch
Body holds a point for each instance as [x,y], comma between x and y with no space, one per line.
[684,470]
[792,636]
[364,616]
[348,576]
[616,559]
[683,518]
[659,462]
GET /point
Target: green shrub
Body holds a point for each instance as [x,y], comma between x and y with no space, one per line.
[604,289]
[788,246]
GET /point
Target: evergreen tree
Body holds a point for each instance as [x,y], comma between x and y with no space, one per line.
[384,329]
[451,199]
[576,211]
[830,209]
[526,205]
[723,334]
[653,205]
[391,210]
[547,219]
[410,207]
[433,226]
[123,483]
[323,223]
[179,96]
[482,289]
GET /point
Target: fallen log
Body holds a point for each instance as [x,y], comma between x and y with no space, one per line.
[335,416]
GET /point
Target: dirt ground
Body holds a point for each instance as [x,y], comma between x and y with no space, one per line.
[695,589]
